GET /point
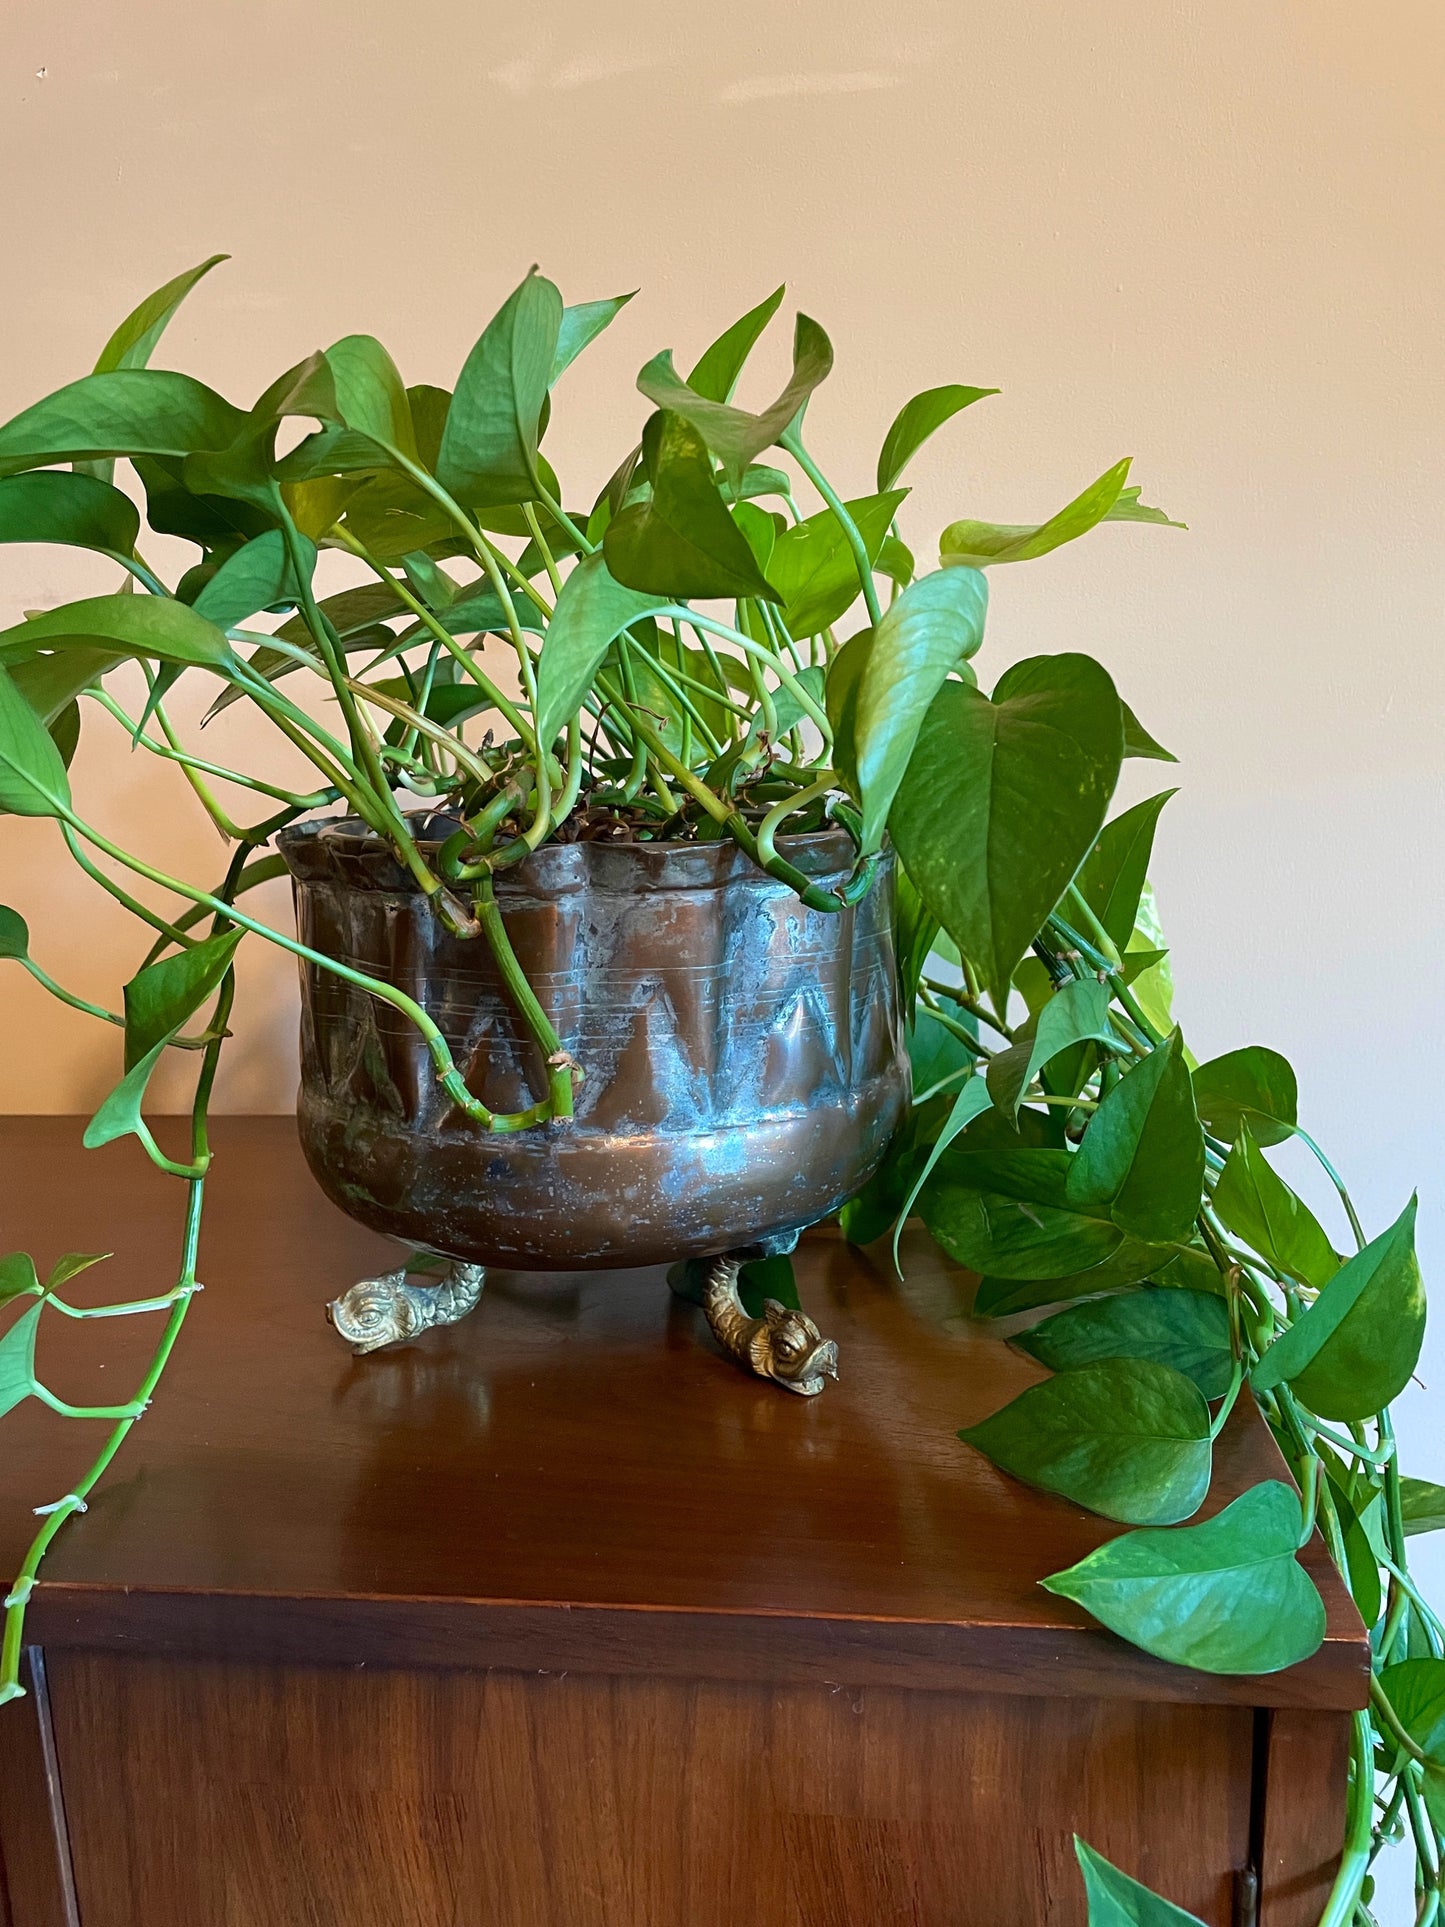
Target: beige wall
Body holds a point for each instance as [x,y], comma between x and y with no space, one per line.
[1206,235]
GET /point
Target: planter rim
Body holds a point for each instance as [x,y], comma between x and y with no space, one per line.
[346,850]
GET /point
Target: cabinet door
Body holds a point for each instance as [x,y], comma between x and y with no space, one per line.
[254,1796]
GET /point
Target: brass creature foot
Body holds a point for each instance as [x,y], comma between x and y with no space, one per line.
[393,1309]
[785,1346]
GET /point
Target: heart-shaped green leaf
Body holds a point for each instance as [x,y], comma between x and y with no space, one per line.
[930,631]
[1112,876]
[160,998]
[812,564]
[1187,1330]
[1003,799]
[133,341]
[370,393]
[120,1113]
[580,327]
[1259,1207]
[1126,1264]
[1117,1901]
[1008,1215]
[14,935]
[1138,741]
[1416,1690]
[716,374]
[1142,1157]
[1074,1014]
[1254,1087]
[592,611]
[1227,1596]
[916,420]
[152,627]
[33,781]
[1422,1505]
[18,1276]
[130,411]
[971,1101]
[17,1360]
[258,576]
[982,544]
[1355,1347]
[734,436]
[56,505]
[681,541]
[51,683]
[1125,1437]
[489,446]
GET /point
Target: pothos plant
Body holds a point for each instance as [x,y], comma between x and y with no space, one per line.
[676,671]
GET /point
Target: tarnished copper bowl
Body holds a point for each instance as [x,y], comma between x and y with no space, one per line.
[744,1056]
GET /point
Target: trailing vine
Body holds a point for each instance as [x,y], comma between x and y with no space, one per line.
[667,665]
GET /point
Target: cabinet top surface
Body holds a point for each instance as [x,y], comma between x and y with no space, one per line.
[577,1441]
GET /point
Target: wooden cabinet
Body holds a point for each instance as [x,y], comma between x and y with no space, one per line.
[556,1619]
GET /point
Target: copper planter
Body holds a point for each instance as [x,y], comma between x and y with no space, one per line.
[744,1056]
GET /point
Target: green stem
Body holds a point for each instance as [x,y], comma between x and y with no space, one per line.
[792,442]
[448,1075]
[1338,1182]
[1355,1860]
[47,982]
[170,931]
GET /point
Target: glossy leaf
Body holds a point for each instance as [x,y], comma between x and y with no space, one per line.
[134,340]
[14,935]
[1253,1087]
[18,1277]
[1125,1437]
[971,1101]
[813,568]
[258,576]
[1416,1690]
[1142,1156]
[592,611]
[57,505]
[916,421]
[1353,1350]
[120,1114]
[1260,1208]
[50,683]
[133,625]
[733,435]
[131,411]
[932,628]
[1127,1263]
[1117,1901]
[370,393]
[17,1360]
[580,327]
[1421,1502]
[682,541]
[1112,876]
[246,469]
[1138,742]
[1077,1012]
[1009,1216]
[160,998]
[1186,1330]
[489,446]
[1003,798]
[716,374]
[1225,1596]
[33,781]
[982,544]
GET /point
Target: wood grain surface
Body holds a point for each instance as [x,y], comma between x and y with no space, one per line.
[253,1796]
[573,1477]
